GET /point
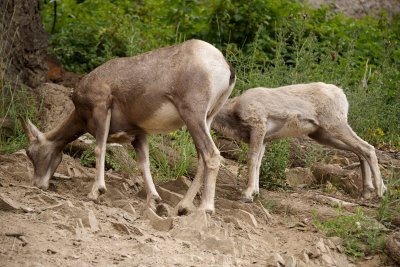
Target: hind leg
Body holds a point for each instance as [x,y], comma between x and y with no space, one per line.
[143,162]
[208,155]
[186,206]
[344,138]
[256,151]
[102,126]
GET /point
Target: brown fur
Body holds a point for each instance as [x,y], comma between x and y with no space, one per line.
[127,98]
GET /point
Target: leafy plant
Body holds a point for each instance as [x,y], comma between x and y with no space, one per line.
[273,165]
[15,100]
[389,204]
[361,234]
[172,155]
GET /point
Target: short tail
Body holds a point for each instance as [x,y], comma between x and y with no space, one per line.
[232,79]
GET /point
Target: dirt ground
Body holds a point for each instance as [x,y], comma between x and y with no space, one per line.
[60,227]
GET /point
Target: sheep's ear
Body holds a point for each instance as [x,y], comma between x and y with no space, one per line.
[31,132]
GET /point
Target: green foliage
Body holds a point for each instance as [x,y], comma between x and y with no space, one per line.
[15,100]
[273,165]
[361,234]
[88,159]
[166,166]
[389,204]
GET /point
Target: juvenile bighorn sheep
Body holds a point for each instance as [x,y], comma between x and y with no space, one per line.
[317,110]
[125,99]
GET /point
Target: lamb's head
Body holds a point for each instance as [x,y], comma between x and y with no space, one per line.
[44,155]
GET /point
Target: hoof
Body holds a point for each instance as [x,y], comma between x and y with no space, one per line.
[247,199]
[184,209]
[162,210]
[382,190]
[367,194]
[153,201]
[102,190]
[41,185]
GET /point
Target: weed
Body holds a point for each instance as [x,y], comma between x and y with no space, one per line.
[389,205]
[172,155]
[274,163]
[361,234]
[15,100]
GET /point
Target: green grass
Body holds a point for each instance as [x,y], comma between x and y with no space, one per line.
[172,155]
[361,235]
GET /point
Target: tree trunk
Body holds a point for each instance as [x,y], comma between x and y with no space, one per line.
[23,41]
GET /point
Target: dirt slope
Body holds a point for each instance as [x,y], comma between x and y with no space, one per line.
[60,227]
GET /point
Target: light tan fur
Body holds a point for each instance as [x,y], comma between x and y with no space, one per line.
[317,110]
[125,99]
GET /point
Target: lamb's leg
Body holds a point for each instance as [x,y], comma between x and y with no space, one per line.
[346,139]
[102,128]
[143,162]
[256,151]
[260,157]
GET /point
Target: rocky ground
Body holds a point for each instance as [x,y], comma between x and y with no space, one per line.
[60,227]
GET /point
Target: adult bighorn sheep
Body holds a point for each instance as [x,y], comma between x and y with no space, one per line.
[125,99]
[318,110]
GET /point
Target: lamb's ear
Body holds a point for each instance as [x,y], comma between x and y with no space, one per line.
[30,130]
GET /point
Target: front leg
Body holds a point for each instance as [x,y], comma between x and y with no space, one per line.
[143,162]
[256,152]
[102,129]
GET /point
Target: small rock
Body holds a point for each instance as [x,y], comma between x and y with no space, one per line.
[148,249]
[290,262]
[226,246]
[246,217]
[299,177]
[314,253]
[94,225]
[342,161]
[393,247]
[330,244]
[321,246]
[180,185]
[301,263]
[7,204]
[275,261]
[328,259]
[196,220]
[169,197]
[336,240]
[125,205]
[121,228]
[278,259]
[157,222]
[306,258]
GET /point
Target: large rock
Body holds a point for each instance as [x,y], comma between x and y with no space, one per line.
[393,247]
[299,177]
[349,180]
[55,104]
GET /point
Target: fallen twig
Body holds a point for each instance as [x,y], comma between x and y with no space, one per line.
[19,235]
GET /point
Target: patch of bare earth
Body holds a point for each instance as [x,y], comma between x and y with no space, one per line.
[59,227]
